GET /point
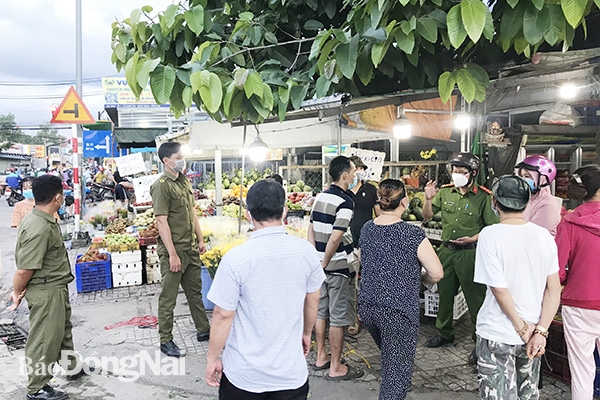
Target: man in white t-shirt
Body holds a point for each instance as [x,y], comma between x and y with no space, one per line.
[518,261]
[266,293]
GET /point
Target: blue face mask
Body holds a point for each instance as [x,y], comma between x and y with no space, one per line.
[354,183]
[531,184]
[28,193]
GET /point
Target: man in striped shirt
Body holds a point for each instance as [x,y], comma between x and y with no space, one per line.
[329,232]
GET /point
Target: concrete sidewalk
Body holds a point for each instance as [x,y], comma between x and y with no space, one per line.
[439,373]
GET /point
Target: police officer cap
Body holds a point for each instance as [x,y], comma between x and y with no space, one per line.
[511,191]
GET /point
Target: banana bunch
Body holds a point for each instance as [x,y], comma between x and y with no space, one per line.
[428,154]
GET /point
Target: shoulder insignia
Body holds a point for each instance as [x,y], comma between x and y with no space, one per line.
[448,185]
[161,180]
[488,191]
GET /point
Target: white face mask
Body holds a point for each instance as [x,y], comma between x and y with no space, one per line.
[361,175]
[460,180]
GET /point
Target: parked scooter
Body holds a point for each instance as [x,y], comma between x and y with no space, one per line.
[100,192]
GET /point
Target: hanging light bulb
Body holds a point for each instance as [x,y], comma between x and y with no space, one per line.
[462,121]
[402,127]
[257,151]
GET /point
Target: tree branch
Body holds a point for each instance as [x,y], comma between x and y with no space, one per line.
[248,49]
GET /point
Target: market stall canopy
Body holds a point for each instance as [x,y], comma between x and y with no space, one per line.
[211,135]
[137,137]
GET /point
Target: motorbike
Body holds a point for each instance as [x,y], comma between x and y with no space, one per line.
[15,196]
[99,192]
[63,212]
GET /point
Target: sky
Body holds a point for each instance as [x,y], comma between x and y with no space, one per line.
[37,51]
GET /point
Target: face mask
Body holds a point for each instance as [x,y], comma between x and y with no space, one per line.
[495,210]
[179,165]
[361,175]
[531,184]
[28,193]
[354,183]
[460,180]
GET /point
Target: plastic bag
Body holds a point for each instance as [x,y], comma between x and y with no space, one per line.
[560,114]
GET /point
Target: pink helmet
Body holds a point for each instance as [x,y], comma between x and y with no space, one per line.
[540,164]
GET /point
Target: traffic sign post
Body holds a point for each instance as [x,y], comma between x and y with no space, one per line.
[99,144]
[73,111]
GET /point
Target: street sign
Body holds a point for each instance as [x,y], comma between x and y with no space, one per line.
[72,110]
[99,144]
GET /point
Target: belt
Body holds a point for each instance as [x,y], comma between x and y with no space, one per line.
[453,246]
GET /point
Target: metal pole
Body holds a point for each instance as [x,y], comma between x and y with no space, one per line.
[339,135]
[243,179]
[218,183]
[76,129]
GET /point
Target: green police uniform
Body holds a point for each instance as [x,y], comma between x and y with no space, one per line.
[173,197]
[40,248]
[462,215]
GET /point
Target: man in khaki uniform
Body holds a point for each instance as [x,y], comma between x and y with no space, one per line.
[466,209]
[179,247]
[43,273]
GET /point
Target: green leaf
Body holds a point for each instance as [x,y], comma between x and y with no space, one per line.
[322,86]
[131,69]
[405,26]
[199,78]
[456,32]
[446,83]
[121,52]
[169,16]
[186,96]
[427,28]
[404,2]
[413,58]
[573,10]
[406,43]
[231,89]
[364,67]
[267,98]
[147,9]
[317,43]
[465,83]
[521,45]
[473,17]
[438,2]
[377,54]
[253,85]
[512,3]
[539,4]
[270,37]
[239,77]
[329,70]
[530,24]
[597,3]
[479,74]
[375,35]
[263,112]
[246,16]
[511,23]
[488,30]
[162,80]
[346,55]
[556,24]
[298,94]
[195,19]
[211,91]
[144,71]
[313,25]
[327,48]
[284,93]
[134,18]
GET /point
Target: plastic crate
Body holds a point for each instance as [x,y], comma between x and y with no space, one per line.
[124,257]
[148,241]
[92,276]
[127,278]
[152,273]
[432,302]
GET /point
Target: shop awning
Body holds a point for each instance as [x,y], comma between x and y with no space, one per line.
[138,137]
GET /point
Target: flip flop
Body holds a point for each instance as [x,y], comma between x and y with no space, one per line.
[322,367]
[353,373]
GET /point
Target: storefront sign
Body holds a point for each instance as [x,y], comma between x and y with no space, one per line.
[117,93]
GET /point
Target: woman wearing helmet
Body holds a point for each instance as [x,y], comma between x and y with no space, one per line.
[543,209]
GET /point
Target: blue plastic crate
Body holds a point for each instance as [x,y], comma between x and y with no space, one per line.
[92,276]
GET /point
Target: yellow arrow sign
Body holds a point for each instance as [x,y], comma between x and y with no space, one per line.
[72,110]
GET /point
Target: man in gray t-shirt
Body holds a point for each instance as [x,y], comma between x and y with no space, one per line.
[266,293]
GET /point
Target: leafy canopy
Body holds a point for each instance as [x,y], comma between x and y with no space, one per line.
[251,59]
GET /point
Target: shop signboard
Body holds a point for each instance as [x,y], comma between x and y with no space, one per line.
[99,144]
[118,94]
[372,159]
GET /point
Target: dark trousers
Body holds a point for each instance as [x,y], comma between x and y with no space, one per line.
[229,392]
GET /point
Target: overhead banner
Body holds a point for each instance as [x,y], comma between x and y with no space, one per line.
[131,164]
[372,159]
[117,93]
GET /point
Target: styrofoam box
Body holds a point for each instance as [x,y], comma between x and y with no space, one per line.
[432,302]
[153,274]
[127,279]
[125,268]
[124,257]
[151,255]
